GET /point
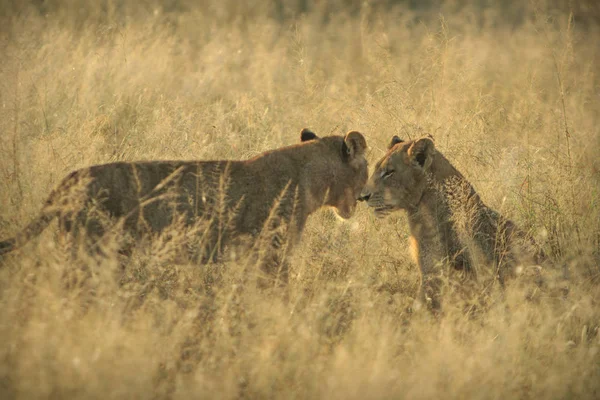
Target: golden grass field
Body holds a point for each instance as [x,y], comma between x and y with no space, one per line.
[511,94]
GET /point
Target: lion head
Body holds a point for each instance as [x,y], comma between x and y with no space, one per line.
[343,166]
[401,177]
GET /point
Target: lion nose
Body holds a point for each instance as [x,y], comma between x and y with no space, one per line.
[364,196]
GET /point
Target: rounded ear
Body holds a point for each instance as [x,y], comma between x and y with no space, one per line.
[354,144]
[395,140]
[307,135]
[421,152]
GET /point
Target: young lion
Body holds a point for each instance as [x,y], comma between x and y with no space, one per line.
[274,192]
[448,221]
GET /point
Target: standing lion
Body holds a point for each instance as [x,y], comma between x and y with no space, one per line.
[268,197]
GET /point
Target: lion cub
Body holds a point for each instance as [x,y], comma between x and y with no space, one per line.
[269,196]
[448,221]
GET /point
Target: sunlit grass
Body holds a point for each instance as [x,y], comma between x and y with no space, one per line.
[513,106]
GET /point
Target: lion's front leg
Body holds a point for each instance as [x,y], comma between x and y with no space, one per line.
[430,292]
[431,275]
[273,265]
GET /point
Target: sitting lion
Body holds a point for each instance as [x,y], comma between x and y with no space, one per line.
[449,223]
[274,192]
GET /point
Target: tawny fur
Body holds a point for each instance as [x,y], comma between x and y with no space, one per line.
[448,221]
[274,191]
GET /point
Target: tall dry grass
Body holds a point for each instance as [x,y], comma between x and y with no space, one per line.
[510,95]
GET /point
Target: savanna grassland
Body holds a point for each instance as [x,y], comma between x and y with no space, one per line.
[510,92]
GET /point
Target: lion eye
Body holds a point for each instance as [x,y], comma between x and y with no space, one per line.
[387,173]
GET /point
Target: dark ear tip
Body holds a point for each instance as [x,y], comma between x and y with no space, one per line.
[395,140]
[306,135]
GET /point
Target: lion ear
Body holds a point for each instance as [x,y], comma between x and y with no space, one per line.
[307,135]
[395,140]
[354,144]
[421,152]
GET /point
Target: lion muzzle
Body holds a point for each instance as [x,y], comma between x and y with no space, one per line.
[365,195]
